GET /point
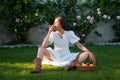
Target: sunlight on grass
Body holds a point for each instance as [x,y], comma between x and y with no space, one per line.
[18,68]
[23,68]
[17,65]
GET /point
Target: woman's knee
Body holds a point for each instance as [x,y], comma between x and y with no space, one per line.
[41,52]
[44,50]
[41,49]
[82,57]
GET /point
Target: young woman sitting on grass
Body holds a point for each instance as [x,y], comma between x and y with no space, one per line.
[60,55]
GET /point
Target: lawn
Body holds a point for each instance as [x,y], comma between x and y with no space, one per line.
[15,64]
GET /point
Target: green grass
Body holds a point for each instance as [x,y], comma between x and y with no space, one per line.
[15,64]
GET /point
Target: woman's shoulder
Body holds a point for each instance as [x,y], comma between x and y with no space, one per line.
[69,32]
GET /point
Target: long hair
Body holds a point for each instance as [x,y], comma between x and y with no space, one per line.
[64,24]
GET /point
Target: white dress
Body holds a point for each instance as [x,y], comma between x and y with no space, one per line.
[61,54]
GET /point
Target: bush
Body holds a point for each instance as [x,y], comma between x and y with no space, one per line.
[20,15]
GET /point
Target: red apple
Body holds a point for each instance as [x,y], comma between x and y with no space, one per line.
[88,64]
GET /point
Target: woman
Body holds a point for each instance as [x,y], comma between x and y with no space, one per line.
[61,54]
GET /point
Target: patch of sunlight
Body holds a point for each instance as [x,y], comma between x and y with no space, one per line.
[17,65]
[26,65]
[16,69]
[117,72]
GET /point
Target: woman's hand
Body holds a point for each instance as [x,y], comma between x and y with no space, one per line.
[91,55]
[51,28]
[84,49]
[46,42]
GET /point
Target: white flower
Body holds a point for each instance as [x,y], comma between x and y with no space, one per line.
[109,17]
[118,17]
[83,35]
[88,17]
[25,16]
[99,12]
[104,16]
[36,14]
[15,30]
[74,24]
[98,9]
[91,20]
[84,21]
[78,17]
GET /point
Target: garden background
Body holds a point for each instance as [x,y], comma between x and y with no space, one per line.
[27,21]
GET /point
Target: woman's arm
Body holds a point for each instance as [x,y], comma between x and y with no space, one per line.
[80,46]
[84,49]
[46,42]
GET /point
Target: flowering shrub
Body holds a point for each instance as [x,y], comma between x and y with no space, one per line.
[82,16]
[84,24]
[19,16]
[87,18]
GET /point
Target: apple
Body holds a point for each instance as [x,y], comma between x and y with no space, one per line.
[88,64]
[83,64]
[91,64]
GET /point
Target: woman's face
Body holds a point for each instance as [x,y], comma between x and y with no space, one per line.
[57,24]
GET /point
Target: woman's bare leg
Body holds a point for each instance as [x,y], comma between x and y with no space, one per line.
[38,60]
[82,57]
[42,52]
